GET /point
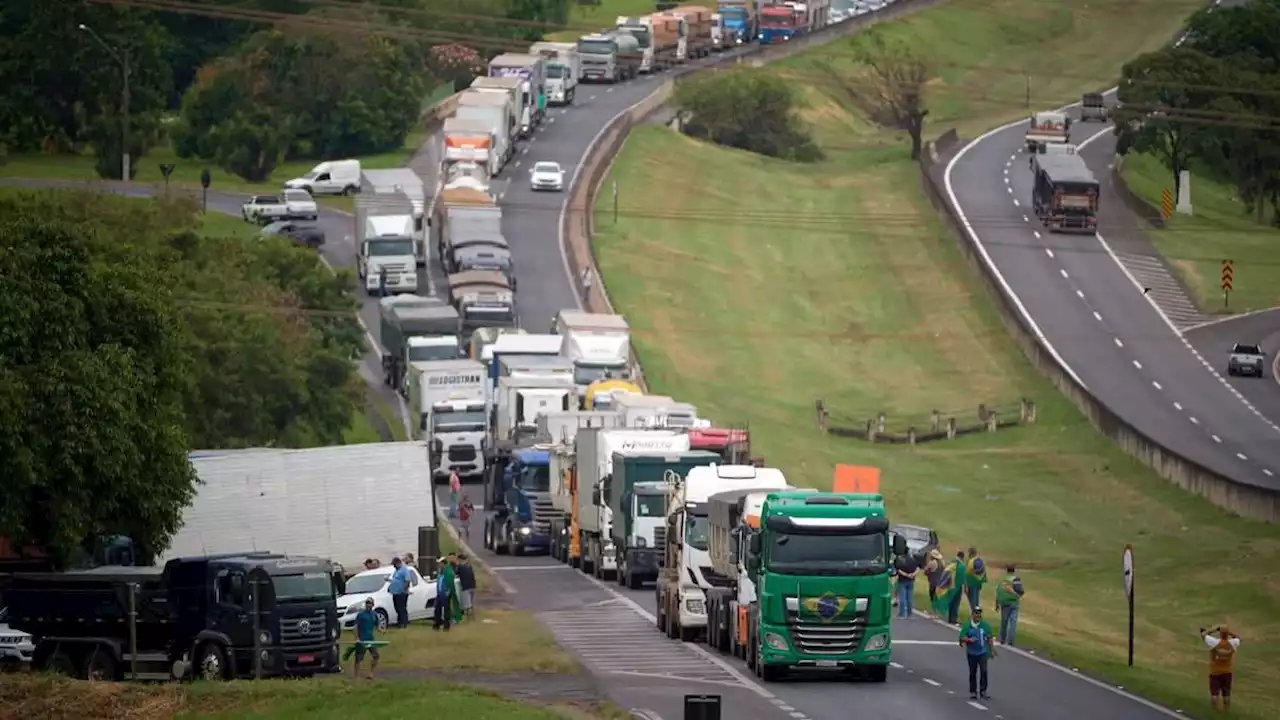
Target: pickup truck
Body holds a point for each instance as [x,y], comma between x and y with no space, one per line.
[1246,360]
[289,205]
[1093,108]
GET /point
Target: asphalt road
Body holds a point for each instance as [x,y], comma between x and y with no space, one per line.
[1094,317]
[928,678]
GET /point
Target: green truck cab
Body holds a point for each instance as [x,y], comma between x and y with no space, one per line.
[820,566]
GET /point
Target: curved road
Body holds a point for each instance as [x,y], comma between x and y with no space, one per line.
[1093,316]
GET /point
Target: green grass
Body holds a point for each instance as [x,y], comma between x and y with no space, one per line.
[772,284]
[186,174]
[1221,228]
[340,699]
[585,19]
[361,430]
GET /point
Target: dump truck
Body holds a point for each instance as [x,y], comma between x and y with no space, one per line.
[1047,128]
[472,140]
[559,430]
[738,22]
[695,30]
[593,462]
[532,72]
[412,329]
[637,492]
[610,57]
[598,345]
[600,394]
[825,557]
[216,617]
[498,116]
[1065,194]
[687,576]
[484,298]
[516,90]
[564,68]
[447,403]
[658,36]
[387,244]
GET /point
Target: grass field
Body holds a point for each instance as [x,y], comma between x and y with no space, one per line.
[1221,228]
[57,699]
[584,19]
[777,284]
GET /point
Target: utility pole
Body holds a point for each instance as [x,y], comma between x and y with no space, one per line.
[121,56]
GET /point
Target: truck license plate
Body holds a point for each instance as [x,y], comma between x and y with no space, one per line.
[828,664]
[306,658]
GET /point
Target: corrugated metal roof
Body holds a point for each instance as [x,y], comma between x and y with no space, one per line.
[346,503]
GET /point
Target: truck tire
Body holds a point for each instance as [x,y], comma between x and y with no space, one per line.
[766,672]
[874,673]
[633,583]
[212,662]
[688,634]
[58,662]
[100,665]
[659,615]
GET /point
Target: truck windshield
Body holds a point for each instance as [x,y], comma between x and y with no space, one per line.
[827,554]
[651,505]
[460,420]
[386,248]
[733,13]
[536,478]
[595,47]
[585,374]
[696,530]
[429,353]
[307,586]
[555,71]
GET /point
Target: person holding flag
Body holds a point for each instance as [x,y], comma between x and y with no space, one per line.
[975,577]
[448,610]
[950,589]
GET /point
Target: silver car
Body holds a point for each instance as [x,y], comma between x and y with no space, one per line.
[546,176]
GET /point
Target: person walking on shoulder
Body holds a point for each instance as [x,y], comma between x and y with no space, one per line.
[906,568]
[402,578]
[979,647]
[465,510]
[934,568]
[467,585]
[1222,645]
[366,626]
[975,576]
[1008,595]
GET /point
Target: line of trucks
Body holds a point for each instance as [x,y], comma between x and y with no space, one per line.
[1064,193]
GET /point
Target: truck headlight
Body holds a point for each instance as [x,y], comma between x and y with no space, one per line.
[695,607]
[641,542]
[876,642]
[776,642]
[333,633]
[525,531]
[264,638]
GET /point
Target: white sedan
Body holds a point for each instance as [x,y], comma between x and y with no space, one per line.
[546,176]
[373,584]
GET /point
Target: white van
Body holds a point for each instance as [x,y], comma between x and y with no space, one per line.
[335,177]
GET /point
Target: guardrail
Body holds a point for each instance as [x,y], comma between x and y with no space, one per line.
[576,223]
[1245,500]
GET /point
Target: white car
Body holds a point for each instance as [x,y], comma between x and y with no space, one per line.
[288,205]
[373,584]
[546,176]
[16,646]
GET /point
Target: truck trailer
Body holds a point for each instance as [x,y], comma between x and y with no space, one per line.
[496,114]
[598,345]
[447,404]
[532,73]
[559,430]
[610,57]
[564,68]
[1065,195]
[414,329]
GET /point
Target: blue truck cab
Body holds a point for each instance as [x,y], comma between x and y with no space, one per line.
[519,493]
[738,23]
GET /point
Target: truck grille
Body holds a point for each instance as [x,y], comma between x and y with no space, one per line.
[834,638]
[462,453]
[659,537]
[713,578]
[316,631]
[543,511]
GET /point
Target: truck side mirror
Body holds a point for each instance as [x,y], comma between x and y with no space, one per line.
[595,495]
[899,545]
[733,556]
[754,544]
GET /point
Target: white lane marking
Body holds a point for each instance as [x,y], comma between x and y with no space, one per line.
[1016,203]
[1137,364]
[1064,273]
[1097,316]
[895,666]
[934,683]
[1193,420]
[1080,294]
[1156,385]
[1047,251]
[1242,456]
[977,705]
[1037,234]
[1229,318]
[1177,406]
[1010,190]
[1119,343]
[1216,438]
[1267,472]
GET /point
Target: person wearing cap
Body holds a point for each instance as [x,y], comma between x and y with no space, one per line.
[1008,597]
[366,626]
[975,576]
[445,589]
[1222,645]
[979,646]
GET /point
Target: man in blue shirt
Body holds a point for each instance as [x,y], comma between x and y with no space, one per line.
[976,639]
[402,578]
[366,626]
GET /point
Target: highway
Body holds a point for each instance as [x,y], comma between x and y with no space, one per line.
[1093,316]
[928,678]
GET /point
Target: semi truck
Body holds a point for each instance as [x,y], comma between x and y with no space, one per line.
[658,36]
[1065,194]
[415,329]
[680,593]
[809,581]
[1048,128]
[480,345]
[598,345]
[526,344]
[655,411]
[593,463]
[472,140]
[637,492]
[216,617]
[484,298]
[532,72]
[497,115]
[610,57]
[517,491]
[528,386]
[560,429]
[779,23]
[387,244]
[564,68]
[738,22]
[516,90]
[464,210]
[695,32]
[447,403]
[392,181]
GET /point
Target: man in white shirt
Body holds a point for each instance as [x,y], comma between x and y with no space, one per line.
[1222,644]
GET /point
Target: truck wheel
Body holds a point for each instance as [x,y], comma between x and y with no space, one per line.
[633,583]
[766,672]
[60,662]
[499,545]
[660,617]
[688,634]
[211,663]
[99,665]
[874,673]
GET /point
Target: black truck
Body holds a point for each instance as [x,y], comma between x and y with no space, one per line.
[213,617]
[1065,197]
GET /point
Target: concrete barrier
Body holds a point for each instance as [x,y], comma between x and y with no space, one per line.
[1245,500]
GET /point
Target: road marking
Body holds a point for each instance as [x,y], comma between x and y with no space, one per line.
[1006,170]
[1177,406]
[527,568]
[947,643]
[1242,456]
[1118,342]
[1064,273]
[1047,251]
[1137,364]
[1156,385]
[934,683]
[977,705]
[1267,472]
[1216,438]
[1006,180]
[1080,294]
[1193,420]
[1016,203]
[1037,234]
[1010,190]
[895,666]
[1026,219]
[1097,316]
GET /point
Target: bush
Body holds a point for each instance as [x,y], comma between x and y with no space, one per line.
[746,109]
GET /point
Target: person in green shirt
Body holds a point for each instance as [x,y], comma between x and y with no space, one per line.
[975,577]
[1008,595]
[956,573]
[979,647]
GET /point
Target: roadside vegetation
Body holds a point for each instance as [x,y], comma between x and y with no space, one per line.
[755,286]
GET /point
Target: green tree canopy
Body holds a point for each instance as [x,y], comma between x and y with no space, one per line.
[745,109]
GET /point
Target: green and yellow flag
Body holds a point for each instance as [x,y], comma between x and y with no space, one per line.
[949,586]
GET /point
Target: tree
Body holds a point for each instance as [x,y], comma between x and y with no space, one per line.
[91,383]
[1164,99]
[1243,144]
[1248,33]
[890,90]
[747,109]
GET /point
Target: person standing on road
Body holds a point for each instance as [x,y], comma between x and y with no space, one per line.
[975,576]
[1222,660]
[934,568]
[906,568]
[366,626]
[402,579]
[1008,596]
[466,584]
[956,588]
[455,490]
[979,647]
[445,591]
[465,510]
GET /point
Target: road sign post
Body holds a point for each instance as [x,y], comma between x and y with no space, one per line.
[1228,281]
[1166,203]
[615,202]
[166,169]
[1127,560]
[205,179]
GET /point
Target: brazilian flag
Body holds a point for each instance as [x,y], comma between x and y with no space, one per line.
[454,609]
[950,584]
